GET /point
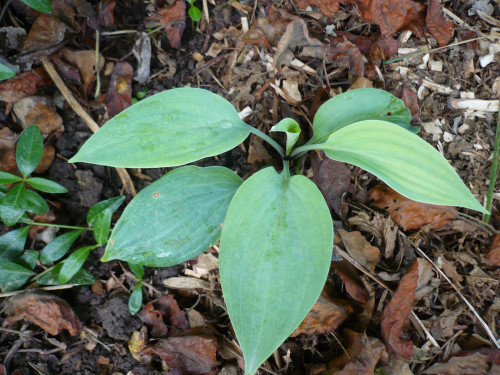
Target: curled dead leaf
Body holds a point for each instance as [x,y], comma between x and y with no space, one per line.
[120,92]
[161,312]
[411,102]
[352,281]
[494,254]
[360,249]
[410,214]
[395,317]
[173,18]
[107,16]
[23,85]
[327,7]
[47,311]
[440,27]
[86,62]
[475,363]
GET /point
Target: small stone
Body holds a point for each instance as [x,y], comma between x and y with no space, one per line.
[436,66]
[463,129]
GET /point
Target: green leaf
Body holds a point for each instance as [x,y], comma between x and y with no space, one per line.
[35,203]
[40,5]
[6,72]
[12,243]
[74,263]
[28,259]
[46,186]
[137,269]
[175,218]
[358,105]
[135,300]
[13,276]
[274,258]
[402,160]
[171,128]
[13,205]
[59,246]
[99,216]
[51,277]
[29,150]
[8,178]
[194,13]
[291,129]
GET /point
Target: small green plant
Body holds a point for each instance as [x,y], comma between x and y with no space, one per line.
[6,72]
[194,12]
[43,6]
[275,229]
[17,266]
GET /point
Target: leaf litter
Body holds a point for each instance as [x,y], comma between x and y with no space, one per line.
[282,62]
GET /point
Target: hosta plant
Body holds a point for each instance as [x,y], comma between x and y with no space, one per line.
[275,228]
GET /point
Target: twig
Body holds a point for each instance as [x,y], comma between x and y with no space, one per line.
[122,172]
[481,321]
[130,275]
[54,287]
[493,173]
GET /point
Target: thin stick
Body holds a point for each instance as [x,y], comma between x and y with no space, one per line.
[481,321]
[54,287]
[122,172]
[493,173]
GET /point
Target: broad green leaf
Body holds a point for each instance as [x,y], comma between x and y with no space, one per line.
[13,205]
[29,150]
[137,269]
[275,253]
[13,276]
[74,263]
[59,246]
[12,243]
[28,259]
[99,216]
[6,72]
[358,105]
[35,203]
[402,160]
[8,178]
[40,5]
[291,129]
[175,218]
[171,128]
[135,300]
[51,277]
[194,13]
[46,186]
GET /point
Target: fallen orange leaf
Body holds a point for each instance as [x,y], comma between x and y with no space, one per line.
[23,85]
[360,249]
[440,27]
[410,214]
[494,254]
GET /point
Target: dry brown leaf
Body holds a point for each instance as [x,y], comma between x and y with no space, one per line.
[47,119]
[445,325]
[257,152]
[411,102]
[410,214]
[173,18]
[333,179]
[326,315]
[390,15]
[23,85]
[327,7]
[395,316]
[86,62]
[137,344]
[69,72]
[194,354]
[361,83]
[119,95]
[352,281]
[267,31]
[474,364]
[47,31]
[343,53]
[363,354]
[494,254]
[48,156]
[440,27]
[360,249]
[107,16]
[161,312]
[47,311]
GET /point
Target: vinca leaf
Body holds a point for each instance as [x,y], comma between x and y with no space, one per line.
[82,277]
[357,105]
[402,160]
[175,218]
[135,300]
[12,243]
[275,253]
[13,205]
[59,246]
[8,178]
[99,216]
[43,6]
[28,259]
[29,150]
[74,263]
[46,186]
[35,203]
[291,129]
[13,276]
[171,128]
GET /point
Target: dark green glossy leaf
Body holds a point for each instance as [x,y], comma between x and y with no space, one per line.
[402,160]
[135,300]
[6,72]
[46,186]
[8,178]
[12,243]
[194,13]
[175,218]
[74,263]
[35,203]
[28,259]
[82,277]
[275,253]
[358,105]
[13,205]
[99,216]
[59,246]
[171,128]
[13,276]
[43,6]
[29,150]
